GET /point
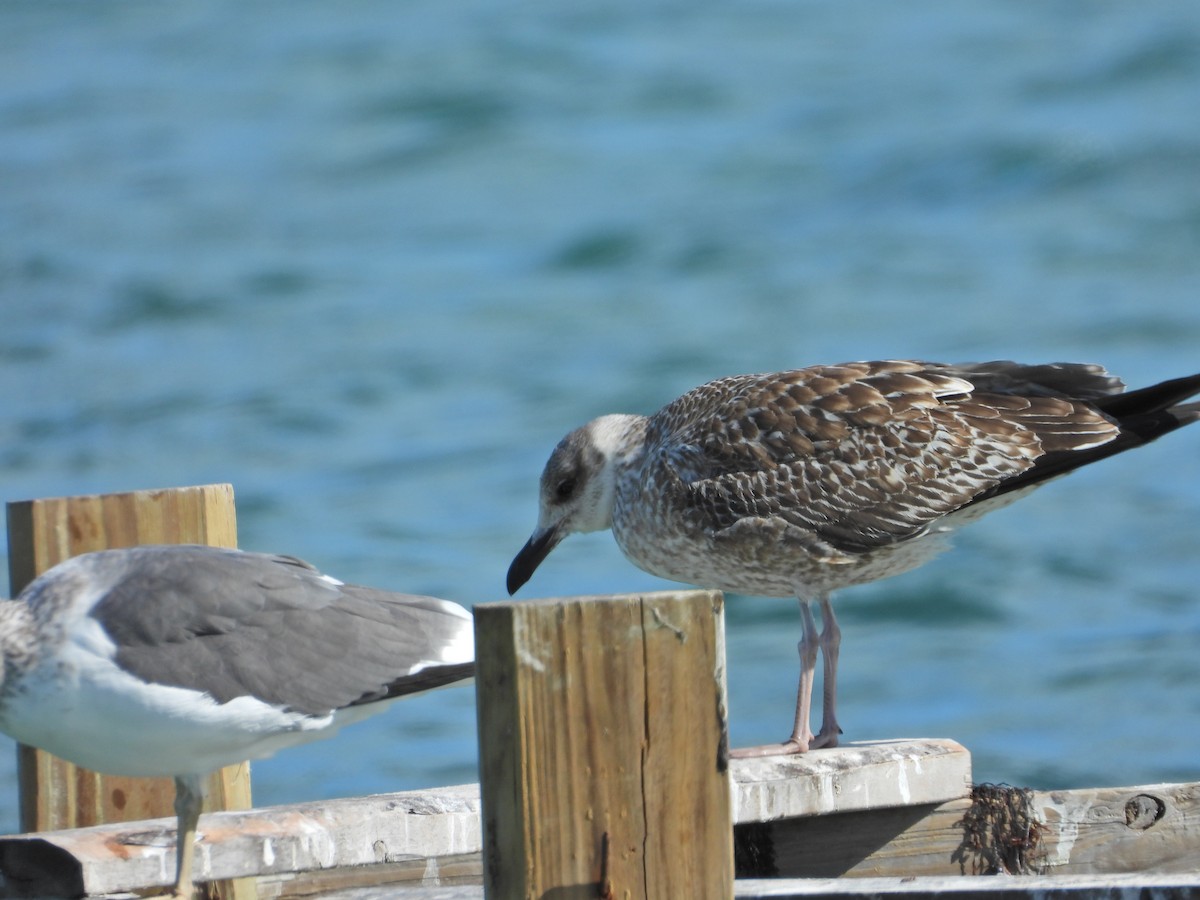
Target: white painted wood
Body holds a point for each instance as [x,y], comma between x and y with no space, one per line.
[856,777]
[338,833]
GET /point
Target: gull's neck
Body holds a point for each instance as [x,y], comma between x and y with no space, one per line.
[618,438]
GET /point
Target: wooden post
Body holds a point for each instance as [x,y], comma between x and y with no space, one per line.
[41,533]
[603,747]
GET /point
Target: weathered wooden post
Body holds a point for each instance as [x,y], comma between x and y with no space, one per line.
[603,747]
[41,533]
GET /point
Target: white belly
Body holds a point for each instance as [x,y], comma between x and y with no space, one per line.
[92,713]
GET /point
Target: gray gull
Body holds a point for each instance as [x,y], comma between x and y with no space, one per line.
[178,660]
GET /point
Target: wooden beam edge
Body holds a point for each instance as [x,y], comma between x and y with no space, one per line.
[1033,887]
[1029,887]
[858,776]
[417,824]
[443,824]
[382,828]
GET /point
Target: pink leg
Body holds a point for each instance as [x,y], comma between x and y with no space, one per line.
[189,798]
[831,640]
[802,736]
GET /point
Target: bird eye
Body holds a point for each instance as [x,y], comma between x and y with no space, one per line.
[565,488]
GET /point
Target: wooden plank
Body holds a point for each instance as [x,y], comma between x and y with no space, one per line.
[603,746]
[901,842]
[42,533]
[871,808]
[858,776]
[1072,887]
[434,837]
[1029,887]
[1120,830]
[1146,829]
[423,892]
[411,835]
[444,842]
[442,871]
[422,836]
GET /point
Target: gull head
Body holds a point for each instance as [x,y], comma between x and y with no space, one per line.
[577,488]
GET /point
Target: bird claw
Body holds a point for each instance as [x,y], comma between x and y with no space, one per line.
[825,740]
[793,746]
[787,748]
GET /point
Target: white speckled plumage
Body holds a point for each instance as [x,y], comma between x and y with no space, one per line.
[803,482]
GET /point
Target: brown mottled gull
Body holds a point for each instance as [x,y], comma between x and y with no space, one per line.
[803,482]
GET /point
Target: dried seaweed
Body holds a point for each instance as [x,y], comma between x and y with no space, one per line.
[1000,833]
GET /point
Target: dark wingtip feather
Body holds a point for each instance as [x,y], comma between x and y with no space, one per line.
[1166,395]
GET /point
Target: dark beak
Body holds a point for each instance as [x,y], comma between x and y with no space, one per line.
[536,549]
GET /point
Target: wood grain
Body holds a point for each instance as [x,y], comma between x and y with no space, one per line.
[603,747]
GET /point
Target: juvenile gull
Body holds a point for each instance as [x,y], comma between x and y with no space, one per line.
[178,660]
[799,483]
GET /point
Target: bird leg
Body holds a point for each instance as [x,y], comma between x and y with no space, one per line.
[809,642]
[831,640]
[802,736]
[189,797]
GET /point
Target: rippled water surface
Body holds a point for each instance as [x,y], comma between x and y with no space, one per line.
[369,263]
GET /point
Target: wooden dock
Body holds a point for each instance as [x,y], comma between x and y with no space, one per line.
[436,836]
[789,842]
[604,774]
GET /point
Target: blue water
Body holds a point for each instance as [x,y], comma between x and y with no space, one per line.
[369,262]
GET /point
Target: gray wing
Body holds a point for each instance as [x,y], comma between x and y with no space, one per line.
[849,458]
[234,624]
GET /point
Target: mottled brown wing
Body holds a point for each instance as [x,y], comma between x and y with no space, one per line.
[866,454]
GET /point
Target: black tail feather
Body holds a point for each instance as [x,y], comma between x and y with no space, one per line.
[1143,416]
[1156,398]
